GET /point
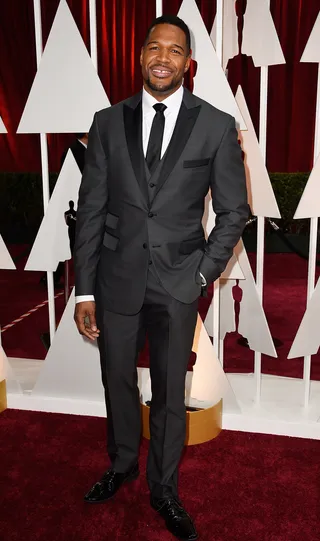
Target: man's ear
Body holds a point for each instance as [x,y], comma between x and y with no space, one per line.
[187,66]
[141,54]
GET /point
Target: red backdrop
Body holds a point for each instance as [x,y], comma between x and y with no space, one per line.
[122,25]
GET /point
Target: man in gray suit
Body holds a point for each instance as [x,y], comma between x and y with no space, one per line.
[141,257]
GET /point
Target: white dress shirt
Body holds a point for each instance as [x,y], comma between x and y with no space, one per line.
[173,103]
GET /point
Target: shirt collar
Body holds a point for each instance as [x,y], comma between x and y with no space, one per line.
[173,102]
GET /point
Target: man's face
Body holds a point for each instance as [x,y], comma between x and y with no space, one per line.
[164,59]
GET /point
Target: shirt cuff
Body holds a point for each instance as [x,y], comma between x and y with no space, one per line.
[203,280]
[84,298]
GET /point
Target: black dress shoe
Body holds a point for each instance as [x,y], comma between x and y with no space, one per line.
[110,483]
[178,522]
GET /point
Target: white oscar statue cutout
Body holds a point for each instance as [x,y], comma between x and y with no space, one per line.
[229,32]
[66,91]
[260,38]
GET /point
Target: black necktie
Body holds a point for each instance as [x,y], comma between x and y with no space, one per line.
[156,136]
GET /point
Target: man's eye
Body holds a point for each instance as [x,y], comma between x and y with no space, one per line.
[175,51]
[153,48]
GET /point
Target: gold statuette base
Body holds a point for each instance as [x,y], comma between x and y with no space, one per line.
[202,425]
[3,395]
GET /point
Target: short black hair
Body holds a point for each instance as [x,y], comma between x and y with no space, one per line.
[175,21]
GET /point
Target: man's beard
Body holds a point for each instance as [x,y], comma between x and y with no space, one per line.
[162,88]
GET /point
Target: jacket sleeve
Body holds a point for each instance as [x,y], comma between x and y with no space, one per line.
[91,214]
[229,201]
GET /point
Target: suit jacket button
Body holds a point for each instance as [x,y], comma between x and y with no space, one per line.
[145,246]
[150,214]
[150,262]
[151,185]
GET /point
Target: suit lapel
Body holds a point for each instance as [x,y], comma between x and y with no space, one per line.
[132,116]
[187,117]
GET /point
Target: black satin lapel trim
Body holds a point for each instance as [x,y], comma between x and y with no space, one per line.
[133,129]
[181,133]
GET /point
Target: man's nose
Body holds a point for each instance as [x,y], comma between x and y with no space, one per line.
[163,55]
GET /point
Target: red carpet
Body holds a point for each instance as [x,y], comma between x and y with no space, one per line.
[284,303]
[239,487]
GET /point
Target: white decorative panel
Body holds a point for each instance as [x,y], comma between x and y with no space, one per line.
[261,198]
[6,261]
[260,38]
[66,91]
[312,49]
[210,82]
[52,241]
[72,366]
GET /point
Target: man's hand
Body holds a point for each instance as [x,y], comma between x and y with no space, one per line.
[85,318]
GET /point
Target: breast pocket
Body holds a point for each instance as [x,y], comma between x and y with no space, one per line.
[196,163]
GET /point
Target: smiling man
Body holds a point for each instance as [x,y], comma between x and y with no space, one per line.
[142,260]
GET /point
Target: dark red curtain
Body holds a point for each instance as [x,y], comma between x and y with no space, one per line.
[122,25]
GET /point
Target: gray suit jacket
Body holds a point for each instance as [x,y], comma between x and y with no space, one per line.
[128,220]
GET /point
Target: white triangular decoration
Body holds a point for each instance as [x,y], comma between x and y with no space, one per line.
[230,32]
[307,339]
[66,91]
[309,204]
[52,241]
[3,129]
[6,261]
[311,52]
[210,82]
[260,38]
[261,198]
[72,367]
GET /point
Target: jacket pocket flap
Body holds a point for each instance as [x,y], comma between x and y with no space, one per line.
[109,241]
[112,220]
[196,163]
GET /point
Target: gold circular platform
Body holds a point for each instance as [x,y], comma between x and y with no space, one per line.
[202,425]
[3,395]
